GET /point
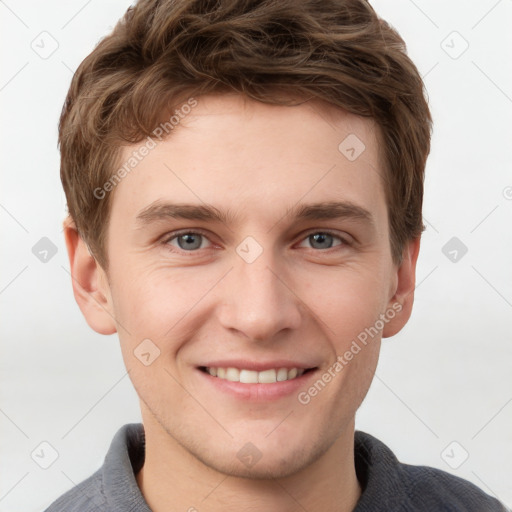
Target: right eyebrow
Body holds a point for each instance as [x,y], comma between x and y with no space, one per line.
[163,210]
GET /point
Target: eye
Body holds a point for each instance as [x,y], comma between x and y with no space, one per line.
[187,240]
[324,240]
[192,241]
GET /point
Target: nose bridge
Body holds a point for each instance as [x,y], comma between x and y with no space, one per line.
[257,301]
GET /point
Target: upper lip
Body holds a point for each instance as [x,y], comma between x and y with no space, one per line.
[245,364]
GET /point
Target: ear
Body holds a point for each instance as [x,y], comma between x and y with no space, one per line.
[403,294]
[90,283]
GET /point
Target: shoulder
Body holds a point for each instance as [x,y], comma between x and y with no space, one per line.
[113,486]
[87,496]
[430,487]
[389,484]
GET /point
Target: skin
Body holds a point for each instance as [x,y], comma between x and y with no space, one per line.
[298,300]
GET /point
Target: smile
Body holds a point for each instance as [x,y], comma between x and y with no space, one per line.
[244,376]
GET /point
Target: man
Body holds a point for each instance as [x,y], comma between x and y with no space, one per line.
[245,182]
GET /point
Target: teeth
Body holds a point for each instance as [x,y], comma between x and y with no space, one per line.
[267,377]
[293,373]
[248,377]
[282,374]
[233,374]
[253,377]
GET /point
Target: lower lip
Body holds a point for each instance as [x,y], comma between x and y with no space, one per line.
[258,392]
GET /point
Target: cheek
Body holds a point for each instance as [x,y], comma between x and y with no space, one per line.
[347,302]
[348,311]
[158,303]
[154,303]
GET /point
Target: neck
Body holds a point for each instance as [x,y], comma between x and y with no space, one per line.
[173,479]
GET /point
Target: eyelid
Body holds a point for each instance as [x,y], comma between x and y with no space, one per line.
[175,234]
[346,239]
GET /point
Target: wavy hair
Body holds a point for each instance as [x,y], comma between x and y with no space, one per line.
[164,51]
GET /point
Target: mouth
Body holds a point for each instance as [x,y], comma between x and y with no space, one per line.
[245,376]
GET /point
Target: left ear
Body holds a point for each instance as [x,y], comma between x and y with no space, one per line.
[403,298]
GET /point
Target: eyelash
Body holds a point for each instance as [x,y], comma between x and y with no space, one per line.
[175,234]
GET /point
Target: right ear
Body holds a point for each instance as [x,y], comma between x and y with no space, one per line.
[89,281]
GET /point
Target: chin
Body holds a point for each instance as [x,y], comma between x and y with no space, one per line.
[262,462]
[263,469]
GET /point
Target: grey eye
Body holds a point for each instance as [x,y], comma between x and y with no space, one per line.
[188,241]
[322,240]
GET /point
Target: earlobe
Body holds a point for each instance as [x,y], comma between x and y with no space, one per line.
[89,281]
[403,298]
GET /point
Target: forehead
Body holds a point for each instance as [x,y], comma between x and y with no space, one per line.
[247,156]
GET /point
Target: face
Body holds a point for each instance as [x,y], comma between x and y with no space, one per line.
[251,240]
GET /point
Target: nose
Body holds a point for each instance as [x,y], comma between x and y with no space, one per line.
[258,300]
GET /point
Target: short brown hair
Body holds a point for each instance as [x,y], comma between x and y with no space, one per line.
[162,51]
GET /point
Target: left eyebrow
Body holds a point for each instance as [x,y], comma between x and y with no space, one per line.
[331,210]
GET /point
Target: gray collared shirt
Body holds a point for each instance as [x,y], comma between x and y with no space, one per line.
[387,484]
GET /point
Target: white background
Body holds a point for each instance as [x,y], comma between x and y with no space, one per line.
[446,377]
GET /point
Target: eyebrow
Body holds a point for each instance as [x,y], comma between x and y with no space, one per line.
[160,210]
